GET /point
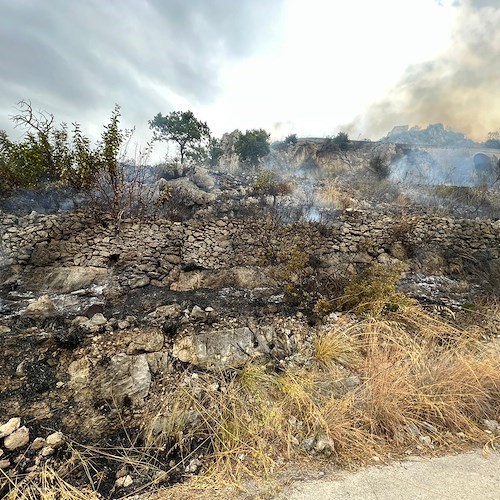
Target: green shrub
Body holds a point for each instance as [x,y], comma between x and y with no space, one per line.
[334,144]
[267,185]
[374,291]
[252,146]
[53,154]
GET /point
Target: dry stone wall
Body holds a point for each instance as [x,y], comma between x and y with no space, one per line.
[142,252]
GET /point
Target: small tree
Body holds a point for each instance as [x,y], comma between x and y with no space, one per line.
[267,185]
[252,146]
[493,140]
[191,135]
[215,151]
[47,153]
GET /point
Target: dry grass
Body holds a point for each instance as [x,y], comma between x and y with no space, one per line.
[335,196]
[52,482]
[337,346]
[419,383]
[385,384]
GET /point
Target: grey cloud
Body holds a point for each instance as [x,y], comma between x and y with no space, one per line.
[79,58]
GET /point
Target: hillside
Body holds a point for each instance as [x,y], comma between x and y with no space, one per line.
[334,305]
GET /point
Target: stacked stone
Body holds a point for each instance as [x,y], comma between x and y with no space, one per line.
[142,252]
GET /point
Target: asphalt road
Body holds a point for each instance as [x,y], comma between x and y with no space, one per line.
[468,476]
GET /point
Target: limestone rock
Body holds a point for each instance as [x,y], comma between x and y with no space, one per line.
[159,362]
[92,325]
[398,251]
[170,311]
[17,439]
[197,313]
[47,451]
[146,341]
[20,369]
[203,179]
[126,377]
[139,282]
[79,376]
[324,445]
[12,425]
[42,308]
[239,277]
[124,481]
[191,193]
[66,279]
[38,443]
[219,348]
[56,440]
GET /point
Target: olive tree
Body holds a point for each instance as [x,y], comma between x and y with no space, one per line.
[252,146]
[191,135]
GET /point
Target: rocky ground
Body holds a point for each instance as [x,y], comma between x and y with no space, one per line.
[118,368]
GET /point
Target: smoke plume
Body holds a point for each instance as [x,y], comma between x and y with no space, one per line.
[459,88]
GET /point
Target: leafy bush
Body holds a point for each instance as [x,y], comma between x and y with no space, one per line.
[290,140]
[334,144]
[493,140]
[53,154]
[252,146]
[48,153]
[267,185]
[215,152]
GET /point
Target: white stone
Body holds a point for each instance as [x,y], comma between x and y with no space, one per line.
[17,439]
[41,308]
[47,451]
[127,376]
[8,428]
[146,341]
[38,443]
[124,481]
[56,439]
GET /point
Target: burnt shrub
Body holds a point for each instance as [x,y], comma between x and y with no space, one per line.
[379,166]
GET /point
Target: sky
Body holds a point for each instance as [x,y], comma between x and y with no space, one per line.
[310,67]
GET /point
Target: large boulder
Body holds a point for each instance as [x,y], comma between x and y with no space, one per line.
[126,378]
[239,277]
[65,279]
[222,349]
[202,178]
[146,341]
[190,193]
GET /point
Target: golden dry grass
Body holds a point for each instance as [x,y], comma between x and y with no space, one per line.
[335,196]
[377,385]
[420,382]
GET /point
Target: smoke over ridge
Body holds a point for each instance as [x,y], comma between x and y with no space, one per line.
[459,88]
